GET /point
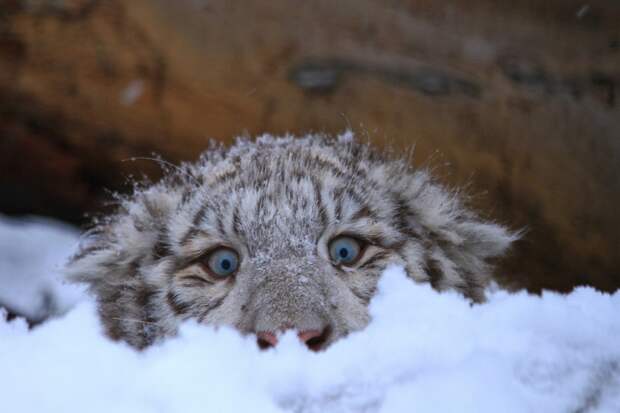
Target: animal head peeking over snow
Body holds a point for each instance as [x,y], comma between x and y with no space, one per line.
[277,234]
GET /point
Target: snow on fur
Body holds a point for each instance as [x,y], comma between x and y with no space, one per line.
[424,351]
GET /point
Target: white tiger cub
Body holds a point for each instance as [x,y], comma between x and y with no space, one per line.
[277,234]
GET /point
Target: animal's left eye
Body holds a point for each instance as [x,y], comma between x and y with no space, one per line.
[223,262]
[345,250]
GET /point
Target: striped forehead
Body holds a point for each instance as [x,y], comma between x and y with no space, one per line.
[300,207]
[280,198]
[293,202]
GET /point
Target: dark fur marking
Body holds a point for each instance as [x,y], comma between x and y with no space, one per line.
[179,307]
[338,209]
[160,249]
[189,235]
[366,296]
[373,240]
[289,193]
[187,195]
[402,216]
[337,196]
[378,256]
[236,221]
[398,245]
[433,269]
[108,304]
[471,288]
[143,298]
[326,166]
[260,206]
[196,280]
[113,329]
[354,195]
[378,267]
[364,212]
[144,295]
[220,179]
[200,215]
[220,224]
[211,306]
[191,283]
[84,252]
[319,201]
[134,267]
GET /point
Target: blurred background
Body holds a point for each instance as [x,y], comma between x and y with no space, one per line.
[517,100]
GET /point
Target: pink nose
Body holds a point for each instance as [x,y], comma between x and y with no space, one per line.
[313,339]
[266,339]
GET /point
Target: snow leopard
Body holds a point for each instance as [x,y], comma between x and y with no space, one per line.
[280,233]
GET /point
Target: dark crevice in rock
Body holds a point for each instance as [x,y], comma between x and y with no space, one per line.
[323,76]
[66,10]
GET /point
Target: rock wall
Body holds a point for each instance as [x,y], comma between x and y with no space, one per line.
[516,100]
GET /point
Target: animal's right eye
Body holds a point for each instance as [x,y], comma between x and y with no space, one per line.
[222,262]
[345,250]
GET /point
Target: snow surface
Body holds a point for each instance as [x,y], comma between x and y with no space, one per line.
[32,251]
[423,352]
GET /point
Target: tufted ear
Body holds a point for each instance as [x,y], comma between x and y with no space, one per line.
[458,246]
[113,248]
[110,257]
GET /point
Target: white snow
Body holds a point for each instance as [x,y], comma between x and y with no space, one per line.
[423,352]
[32,251]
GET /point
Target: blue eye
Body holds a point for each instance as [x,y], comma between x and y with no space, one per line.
[344,250]
[223,262]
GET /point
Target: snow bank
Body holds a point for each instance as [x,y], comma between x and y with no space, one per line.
[423,352]
[31,253]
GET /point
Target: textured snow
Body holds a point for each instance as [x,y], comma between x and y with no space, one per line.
[32,251]
[423,352]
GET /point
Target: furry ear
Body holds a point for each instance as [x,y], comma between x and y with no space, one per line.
[109,251]
[458,245]
[109,260]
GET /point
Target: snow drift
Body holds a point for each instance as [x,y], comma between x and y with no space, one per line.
[32,252]
[423,352]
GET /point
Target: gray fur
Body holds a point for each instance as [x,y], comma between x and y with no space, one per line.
[278,202]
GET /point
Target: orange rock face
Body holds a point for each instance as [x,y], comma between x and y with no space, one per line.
[516,100]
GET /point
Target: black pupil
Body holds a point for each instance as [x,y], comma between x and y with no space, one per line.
[344,253]
[226,264]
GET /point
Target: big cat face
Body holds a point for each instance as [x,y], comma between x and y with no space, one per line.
[279,234]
